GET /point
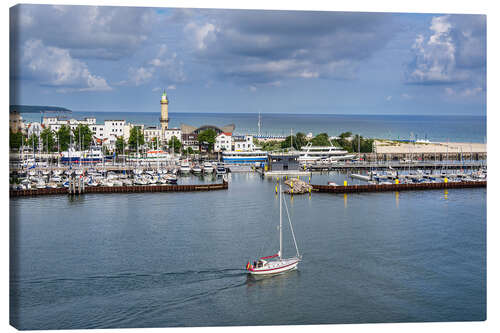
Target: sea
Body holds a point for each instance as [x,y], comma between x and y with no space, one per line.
[436,128]
[178,259]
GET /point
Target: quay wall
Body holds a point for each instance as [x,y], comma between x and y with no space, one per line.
[124,189]
[395,187]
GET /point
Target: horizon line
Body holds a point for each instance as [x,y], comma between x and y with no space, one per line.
[285,113]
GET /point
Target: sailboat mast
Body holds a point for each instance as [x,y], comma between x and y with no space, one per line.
[281,225]
[258,125]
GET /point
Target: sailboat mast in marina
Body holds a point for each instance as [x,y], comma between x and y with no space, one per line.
[276,263]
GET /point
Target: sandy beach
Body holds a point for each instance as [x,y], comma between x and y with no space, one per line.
[391,147]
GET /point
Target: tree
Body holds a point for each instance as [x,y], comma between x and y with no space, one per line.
[33,141]
[15,139]
[175,143]
[120,145]
[48,140]
[208,136]
[152,143]
[136,137]
[345,135]
[300,140]
[321,140]
[287,142]
[271,145]
[63,137]
[83,133]
[345,140]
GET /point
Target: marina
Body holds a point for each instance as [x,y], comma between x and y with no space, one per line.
[359,249]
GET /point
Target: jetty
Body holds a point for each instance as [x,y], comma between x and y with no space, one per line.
[396,187]
[424,165]
[76,190]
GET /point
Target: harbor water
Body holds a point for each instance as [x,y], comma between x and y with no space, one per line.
[178,259]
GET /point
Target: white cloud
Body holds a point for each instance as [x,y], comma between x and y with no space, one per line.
[452,52]
[406,96]
[163,66]
[170,66]
[388,98]
[201,34]
[171,87]
[54,66]
[435,59]
[469,92]
[140,76]
[466,92]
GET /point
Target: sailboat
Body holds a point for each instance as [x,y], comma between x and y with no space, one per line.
[276,263]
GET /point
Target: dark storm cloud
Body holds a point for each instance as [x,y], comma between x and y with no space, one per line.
[269,46]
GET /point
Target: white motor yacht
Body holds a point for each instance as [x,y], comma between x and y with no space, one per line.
[208,167]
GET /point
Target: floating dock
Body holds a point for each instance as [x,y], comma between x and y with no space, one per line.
[395,187]
[123,189]
[395,165]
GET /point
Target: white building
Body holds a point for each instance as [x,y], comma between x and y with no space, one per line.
[55,123]
[151,132]
[34,129]
[170,133]
[114,128]
[223,142]
[243,143]
[111,130]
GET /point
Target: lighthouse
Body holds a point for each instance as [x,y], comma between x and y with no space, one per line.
[164,113]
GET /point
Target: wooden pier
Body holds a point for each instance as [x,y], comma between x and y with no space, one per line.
[395,187]
[121,189]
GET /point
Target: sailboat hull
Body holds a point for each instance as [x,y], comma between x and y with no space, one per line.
[275,267]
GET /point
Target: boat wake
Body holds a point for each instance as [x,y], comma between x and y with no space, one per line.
[127,299]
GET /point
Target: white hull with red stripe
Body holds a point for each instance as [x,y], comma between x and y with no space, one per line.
[275,266]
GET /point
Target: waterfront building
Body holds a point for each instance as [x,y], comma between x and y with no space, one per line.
[169,133]
[190,134]
[283,162]
[190,140]
[105,133]
[128,128]
[113,128]
[187,129]
[55,123]
[16,123]
[35,128]
[243,143]
[223,142]
[151,132]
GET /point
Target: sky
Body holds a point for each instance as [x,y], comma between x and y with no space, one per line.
[88,58]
